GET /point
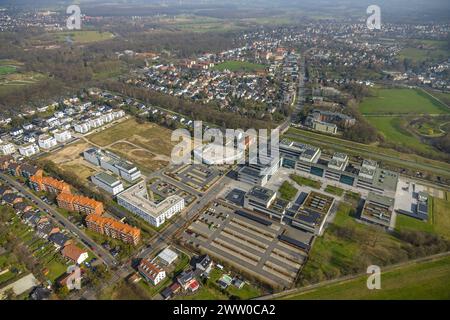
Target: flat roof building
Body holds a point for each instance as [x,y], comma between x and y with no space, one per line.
[378,209]
[108,183]
[112,162]
[167,256]
[137,200]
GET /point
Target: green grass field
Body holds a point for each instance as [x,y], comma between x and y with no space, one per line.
[421,50]
[426,280]
[401,101]
[302,181]
[347,247]
[7,70]
[393,132]
[438,222]
[334,190]
[287,191]
[81,37]
[443,96]
[239,66]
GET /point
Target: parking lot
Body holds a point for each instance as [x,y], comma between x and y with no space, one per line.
[249,242]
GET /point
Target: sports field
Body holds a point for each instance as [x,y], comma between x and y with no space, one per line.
[401,101]
[425,280]
[239,66]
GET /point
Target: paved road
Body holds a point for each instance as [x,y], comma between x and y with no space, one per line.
[59,219]
[165,236]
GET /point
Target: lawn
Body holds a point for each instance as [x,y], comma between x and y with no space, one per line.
[81,37]
[426,280]
[394,132]
[347,247]
[302,181]
[7,276]
[443,96]
[287,191]
[408,223]
[334,190]
[401,101]
[441,216]
[56,269]
[239,66]
[7,70]
[421,50]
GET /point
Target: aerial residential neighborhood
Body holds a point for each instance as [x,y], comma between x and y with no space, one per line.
[173,151]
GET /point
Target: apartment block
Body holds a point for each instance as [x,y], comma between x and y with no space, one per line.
[48,184]
[114,229]
[78,203]
[136,200]
[151,272]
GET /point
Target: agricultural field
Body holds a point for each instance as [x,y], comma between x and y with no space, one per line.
[83,37]
[239,66]
[193,23]
[425,280]
[401,101]
[148,145]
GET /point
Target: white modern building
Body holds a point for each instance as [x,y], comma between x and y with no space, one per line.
[46,141]
[29,150]
[137,200]
[112,162]
[82,127]
[63,136]
[7,148]
[167,256]
[108,183]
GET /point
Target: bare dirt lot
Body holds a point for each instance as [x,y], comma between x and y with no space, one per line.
[145,144]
